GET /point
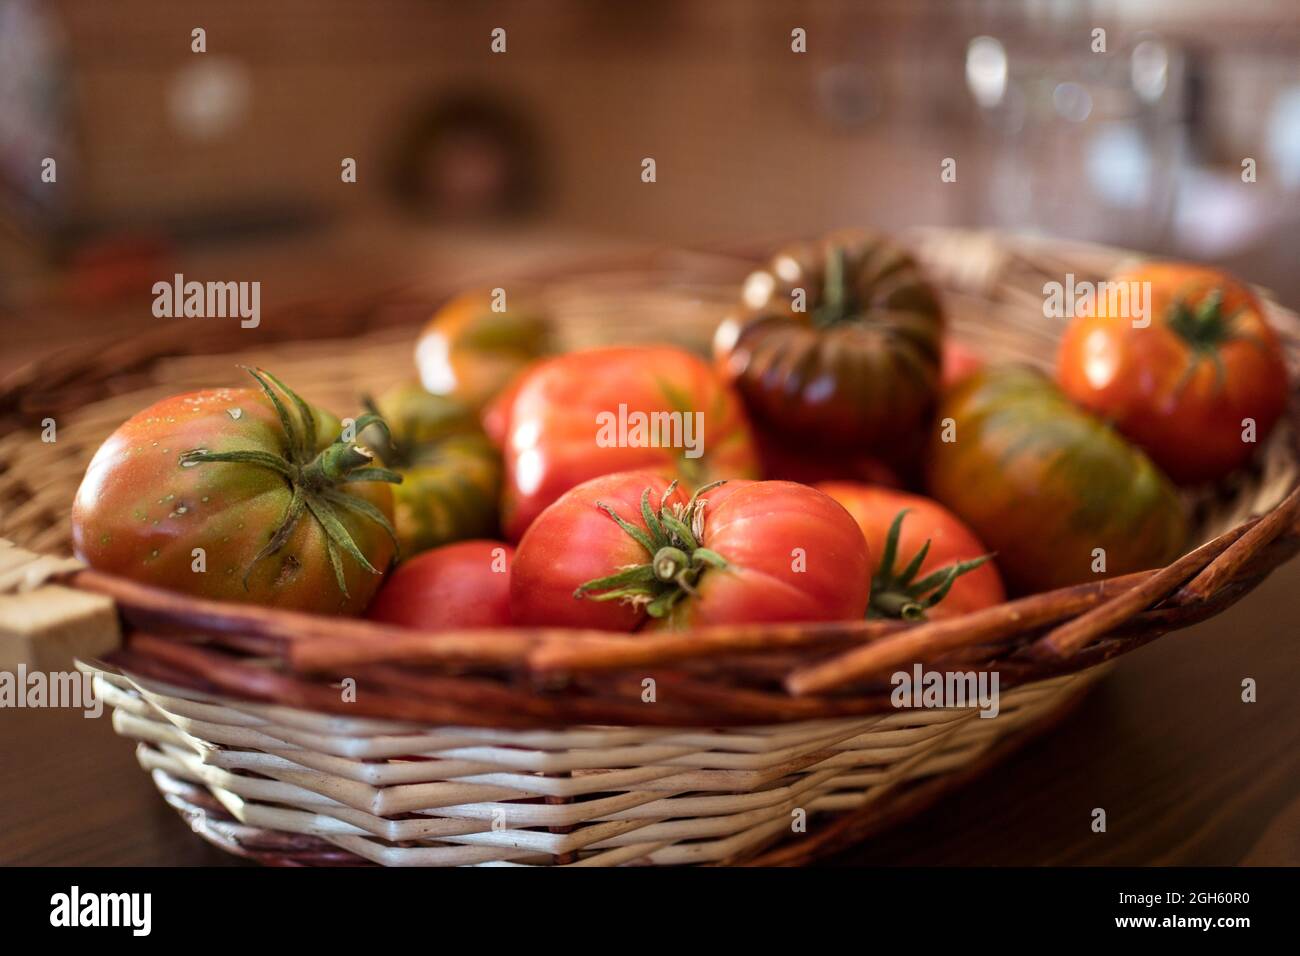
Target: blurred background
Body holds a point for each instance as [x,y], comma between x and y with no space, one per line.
[228,163]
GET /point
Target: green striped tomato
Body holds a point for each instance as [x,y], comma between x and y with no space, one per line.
[239,494]
[451,474]
[1045,484]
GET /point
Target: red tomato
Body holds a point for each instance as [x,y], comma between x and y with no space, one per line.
[628,549]
[1181,386]
[928,525]
[585,414]
[461,585]
[495,416]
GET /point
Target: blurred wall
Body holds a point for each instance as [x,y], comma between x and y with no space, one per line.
[748,137]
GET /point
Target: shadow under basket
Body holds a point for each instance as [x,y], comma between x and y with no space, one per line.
[762,744]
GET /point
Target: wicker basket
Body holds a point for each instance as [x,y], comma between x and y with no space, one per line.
[767,744]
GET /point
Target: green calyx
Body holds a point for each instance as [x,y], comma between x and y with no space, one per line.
[677,560]
[837,302]
[1204,328]
[409,423]
[896,594]
[315,477]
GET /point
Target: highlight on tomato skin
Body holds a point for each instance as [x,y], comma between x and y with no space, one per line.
[636,550]
[1198,384]
[920,527]
[479,340]
[458,586]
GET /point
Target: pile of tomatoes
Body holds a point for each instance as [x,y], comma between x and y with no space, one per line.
[837,457]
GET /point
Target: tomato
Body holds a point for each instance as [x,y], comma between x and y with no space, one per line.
[495,417]
[451,474]
[604,410]
[901,527]
[239,494]
[630,549]
[479,341]
[837,341]
[461,585]
[1043,483]
[1182,385]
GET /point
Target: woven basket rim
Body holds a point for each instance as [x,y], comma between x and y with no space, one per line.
[543,677]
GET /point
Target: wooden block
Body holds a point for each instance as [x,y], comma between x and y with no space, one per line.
[50,626]
[44,625]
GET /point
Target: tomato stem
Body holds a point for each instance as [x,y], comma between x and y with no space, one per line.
[676,560]
[318,479]
[896,593]
[334,464]
[1205,326]
[836,301]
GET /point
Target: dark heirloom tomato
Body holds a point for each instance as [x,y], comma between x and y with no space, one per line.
[285,514]
[470,350]
[930,565]
[1044,483]
[629,549]
[451,474]
[603,410]
[1180,386]
[461,585]
[858,363]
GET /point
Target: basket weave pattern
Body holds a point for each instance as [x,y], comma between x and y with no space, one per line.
[535,746]
[408,795]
